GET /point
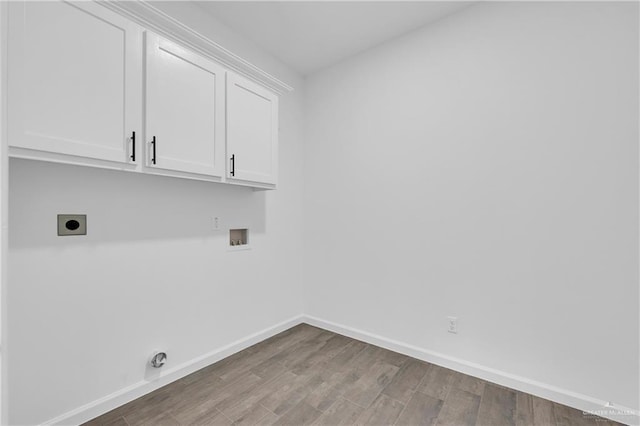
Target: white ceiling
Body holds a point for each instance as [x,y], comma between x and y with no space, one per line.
[311,35]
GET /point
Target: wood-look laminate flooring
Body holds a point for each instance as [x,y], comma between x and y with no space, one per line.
[307,375]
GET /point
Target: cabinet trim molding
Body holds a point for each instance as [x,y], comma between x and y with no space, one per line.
[162,24]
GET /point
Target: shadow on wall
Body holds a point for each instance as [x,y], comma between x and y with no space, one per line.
[123,206]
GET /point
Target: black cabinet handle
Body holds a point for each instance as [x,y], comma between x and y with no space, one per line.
[153,146]
[233,165]
[133,146]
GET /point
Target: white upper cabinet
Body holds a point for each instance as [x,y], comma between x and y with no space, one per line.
[88,86]
[75,80]
[252,132]
[184,109]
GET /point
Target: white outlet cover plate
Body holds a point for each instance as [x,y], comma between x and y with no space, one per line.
[452,325]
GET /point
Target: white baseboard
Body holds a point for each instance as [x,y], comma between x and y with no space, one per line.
[562,396]
[136,390]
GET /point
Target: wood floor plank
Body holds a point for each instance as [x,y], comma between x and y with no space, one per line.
[436,382]
[405,382]
[120,421]
[231,370]
[422,410]
[291,395]
[148,408]
[97,421]
[324,396]
[367,388]
[239,368]
[218,397]
[229,363]
[252,416]
[198,413]
[363,361]
[467,383]
[347,369]
[305,349]
[282,391]
[270,367]
[393,358]
[338,374]
[384,412]
[105,420]
[524,409]
[286,339]
[118,413]
[300,415]
[240,406]
[212,418]
[460,408]
[562,416]
[566,416]
[334,345]
[497,407]
[267,420]
[159,419]
[281,337]
[542,411]
[342,412]
[193,396]
[309,375]
[335,370]
[204,373]
[342,361]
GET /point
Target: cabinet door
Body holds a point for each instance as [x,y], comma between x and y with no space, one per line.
[184,109]
[75,79]
[252,131]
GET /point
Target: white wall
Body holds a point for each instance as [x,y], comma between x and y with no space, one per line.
[487,168]
[85,313]
[4,209]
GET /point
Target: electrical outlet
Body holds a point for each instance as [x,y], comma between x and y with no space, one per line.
[453,325]
[215,223]
[72,224]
